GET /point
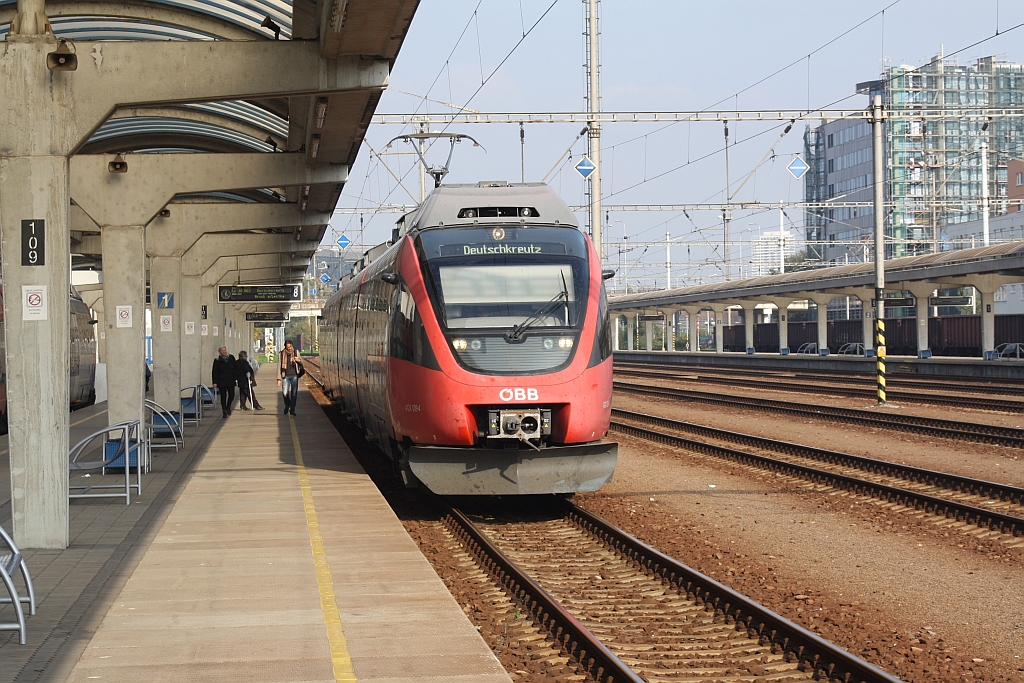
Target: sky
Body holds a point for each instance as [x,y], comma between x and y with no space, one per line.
[679,55]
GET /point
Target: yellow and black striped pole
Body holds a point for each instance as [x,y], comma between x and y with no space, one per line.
[877,119]
[880,358]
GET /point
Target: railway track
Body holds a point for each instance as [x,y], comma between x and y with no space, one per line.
[866,380]
[950,429]
[967,501]
[779,384]
[625,612]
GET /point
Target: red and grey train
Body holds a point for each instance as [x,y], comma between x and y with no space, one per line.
[475,351]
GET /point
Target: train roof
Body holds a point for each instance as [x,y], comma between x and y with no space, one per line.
[451,205]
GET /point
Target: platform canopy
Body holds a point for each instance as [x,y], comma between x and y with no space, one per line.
[327,129]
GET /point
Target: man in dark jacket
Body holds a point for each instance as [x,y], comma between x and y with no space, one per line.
[224,377]
[246,381]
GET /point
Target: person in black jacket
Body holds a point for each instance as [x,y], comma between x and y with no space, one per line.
[246,381]
[224,378]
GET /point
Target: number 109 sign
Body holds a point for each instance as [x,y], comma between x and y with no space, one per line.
[33,242]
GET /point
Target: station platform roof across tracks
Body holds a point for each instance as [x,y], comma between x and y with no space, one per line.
[260,552]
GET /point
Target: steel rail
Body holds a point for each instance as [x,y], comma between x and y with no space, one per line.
[814,654]
[970,514]
[895,377]
[575,640]
[827,660]
[951,429]
[1005,405]
[918,475]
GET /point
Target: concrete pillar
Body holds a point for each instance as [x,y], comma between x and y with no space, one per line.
[693,330]
[191,330]
[124,297]
[670,330]
[821,304]
[34,193]
[165,302]
[631,328]
[749,311]
[719,329]
[210,342]
[616,328]
[649,331]
[988,319]
[867,317]
[783,306]
[921,291]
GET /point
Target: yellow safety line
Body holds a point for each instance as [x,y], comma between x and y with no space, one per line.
[73,424]
[340,657]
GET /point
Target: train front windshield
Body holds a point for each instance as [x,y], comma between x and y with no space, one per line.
[511,299]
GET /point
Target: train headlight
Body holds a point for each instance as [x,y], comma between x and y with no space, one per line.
[476,344]
[565,343]
[459,344]
[549,344]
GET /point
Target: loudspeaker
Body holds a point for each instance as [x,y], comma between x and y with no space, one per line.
[118,165]
[62,59]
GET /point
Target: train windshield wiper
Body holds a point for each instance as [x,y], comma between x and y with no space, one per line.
[517,332]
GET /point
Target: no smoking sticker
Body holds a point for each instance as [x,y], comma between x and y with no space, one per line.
[33,302]
[124,316]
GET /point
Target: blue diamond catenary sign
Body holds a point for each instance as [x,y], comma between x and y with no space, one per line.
[312,291]
[798,167]
[585,167]
[325,278]
[343,242]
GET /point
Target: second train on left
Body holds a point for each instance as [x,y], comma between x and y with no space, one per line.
[475,349]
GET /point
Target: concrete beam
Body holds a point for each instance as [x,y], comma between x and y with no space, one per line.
[212,247]
[152,180]
[179,232]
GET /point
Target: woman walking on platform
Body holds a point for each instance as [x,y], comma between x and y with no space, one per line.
[290,371]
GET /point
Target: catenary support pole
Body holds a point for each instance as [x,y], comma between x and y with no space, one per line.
[877,123]
[985,201]
[594,128]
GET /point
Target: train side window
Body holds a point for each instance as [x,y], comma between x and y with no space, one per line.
[408,338]
[603,341]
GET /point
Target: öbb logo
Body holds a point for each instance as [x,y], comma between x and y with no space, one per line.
[518,395]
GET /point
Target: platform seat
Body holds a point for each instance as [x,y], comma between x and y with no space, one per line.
[119,441]
[10,562]
[191,405]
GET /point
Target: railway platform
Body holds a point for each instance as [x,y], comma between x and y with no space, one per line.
[261,552]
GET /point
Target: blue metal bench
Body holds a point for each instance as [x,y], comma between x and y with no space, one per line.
[163,427]
[126,441]
[11,561]
[191,405]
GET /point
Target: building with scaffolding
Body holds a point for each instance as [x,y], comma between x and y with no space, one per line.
[933,166]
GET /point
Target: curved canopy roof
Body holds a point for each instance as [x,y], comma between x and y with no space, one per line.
[1002,259]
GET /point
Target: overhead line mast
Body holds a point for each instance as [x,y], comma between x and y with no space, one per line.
[593,67]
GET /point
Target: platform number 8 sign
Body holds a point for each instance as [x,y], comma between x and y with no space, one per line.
[33,242]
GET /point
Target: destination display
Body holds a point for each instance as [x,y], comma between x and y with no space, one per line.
[502,249]
[259,293]
[896,302]
[951,301]
[266,317]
